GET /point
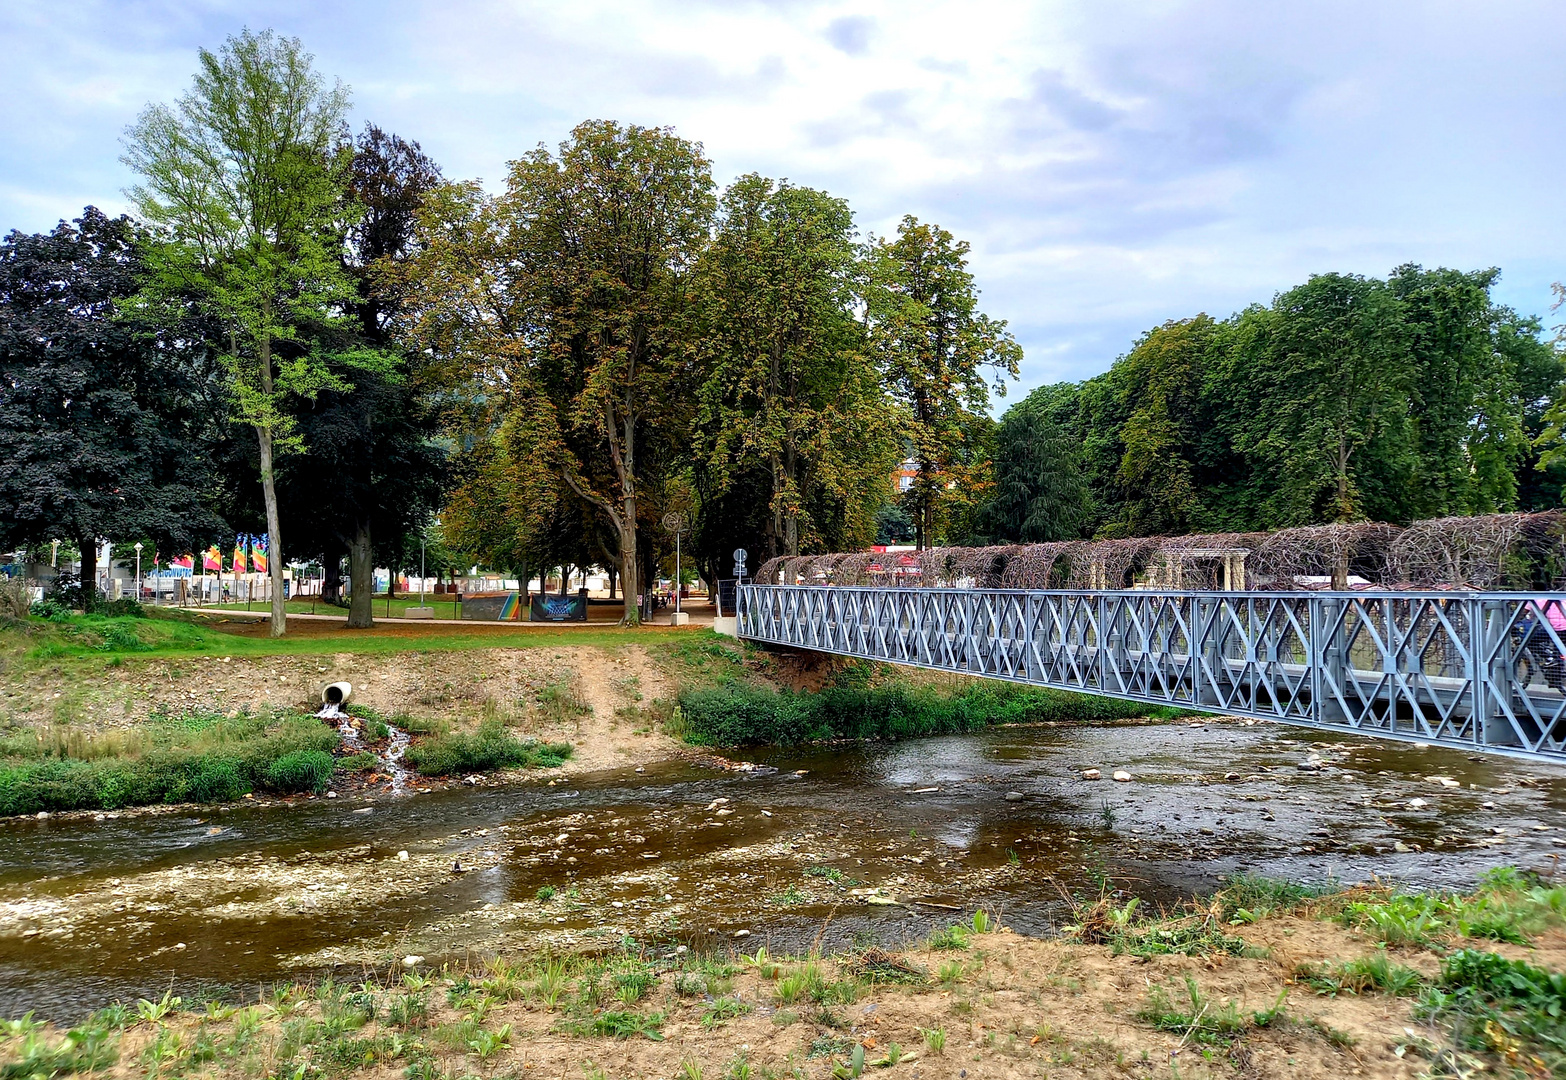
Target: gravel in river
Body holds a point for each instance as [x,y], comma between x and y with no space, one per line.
[828,846]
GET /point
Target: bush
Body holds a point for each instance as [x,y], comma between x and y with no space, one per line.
[50,608]
[491,747]
[737,715]
[192,758]
[300,771]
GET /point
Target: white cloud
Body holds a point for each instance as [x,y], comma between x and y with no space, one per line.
[1115,163]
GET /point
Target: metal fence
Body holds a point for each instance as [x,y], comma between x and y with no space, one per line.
[1478,671]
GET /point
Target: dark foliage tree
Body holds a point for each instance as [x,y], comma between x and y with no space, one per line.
[104,420]
[1040,493]
[373,472]
[1347,398]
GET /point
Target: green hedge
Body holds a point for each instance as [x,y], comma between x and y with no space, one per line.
[215,773]
[491,747]
[736,715]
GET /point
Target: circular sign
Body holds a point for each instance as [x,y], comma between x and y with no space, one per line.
[674,521]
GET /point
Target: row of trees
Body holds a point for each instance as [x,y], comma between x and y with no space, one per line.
[1347,399]
[317,335]
[626,343]
[153,370]
[320,336]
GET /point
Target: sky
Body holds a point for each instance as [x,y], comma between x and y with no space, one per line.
[1114,164]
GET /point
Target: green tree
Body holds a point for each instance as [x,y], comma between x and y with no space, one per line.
[1464,392]
[103,429]
[933,345]
[243,177]
[372,470]
[1040,492]
[789,388]
[564,303]
[1325,378]
[1160,384]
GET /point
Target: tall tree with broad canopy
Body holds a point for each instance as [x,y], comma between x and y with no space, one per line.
[372,470]
[1328,379]
[933,346]
[103,419]
[563,301]
[790,390]
[243,179]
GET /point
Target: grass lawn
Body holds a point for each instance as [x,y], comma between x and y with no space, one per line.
[445,607]
[174,633]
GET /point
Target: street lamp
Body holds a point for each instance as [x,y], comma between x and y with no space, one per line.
[137,546]
[674,522]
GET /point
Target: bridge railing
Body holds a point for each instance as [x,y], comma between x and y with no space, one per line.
[1476,670]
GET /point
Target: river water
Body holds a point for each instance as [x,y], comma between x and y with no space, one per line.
[836,846]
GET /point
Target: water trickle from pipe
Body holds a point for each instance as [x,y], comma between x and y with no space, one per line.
[390,759]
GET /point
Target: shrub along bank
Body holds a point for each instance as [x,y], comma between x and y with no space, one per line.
[741,715]
[199,757]
[490,747]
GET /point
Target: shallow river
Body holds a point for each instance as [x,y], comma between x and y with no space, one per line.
[836,846]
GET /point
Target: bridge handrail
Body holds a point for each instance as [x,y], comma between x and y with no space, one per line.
[1469,668]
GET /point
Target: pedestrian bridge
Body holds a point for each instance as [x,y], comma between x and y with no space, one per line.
[1472,671]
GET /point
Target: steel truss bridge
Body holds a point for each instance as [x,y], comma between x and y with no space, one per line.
[1472,671]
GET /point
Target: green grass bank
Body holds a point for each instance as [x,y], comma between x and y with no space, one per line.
[738,714]
[198,757]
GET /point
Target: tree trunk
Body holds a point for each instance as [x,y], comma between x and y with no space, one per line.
[332,574]
[361,572]
[611,572]
[274,530]
[630,577]
[89,572]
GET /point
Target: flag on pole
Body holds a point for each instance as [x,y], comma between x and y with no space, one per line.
[239,554]
[184,562]
[212,559]
[258,552]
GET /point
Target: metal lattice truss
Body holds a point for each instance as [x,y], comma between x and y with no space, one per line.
[1478,671]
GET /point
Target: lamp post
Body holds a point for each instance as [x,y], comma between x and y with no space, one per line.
[137,546]
[421,570]
[674,522]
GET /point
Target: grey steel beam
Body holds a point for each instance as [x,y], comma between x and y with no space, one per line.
[1473,671]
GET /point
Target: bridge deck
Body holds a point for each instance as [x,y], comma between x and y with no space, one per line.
[1479,671]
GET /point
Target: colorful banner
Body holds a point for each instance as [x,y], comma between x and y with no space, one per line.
[239,554]
[258,551]
[212,559]
[184,562]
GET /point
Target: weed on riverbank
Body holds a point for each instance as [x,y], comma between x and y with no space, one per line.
[740,714]
[1004,1006]
[193,757]
[489,748]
